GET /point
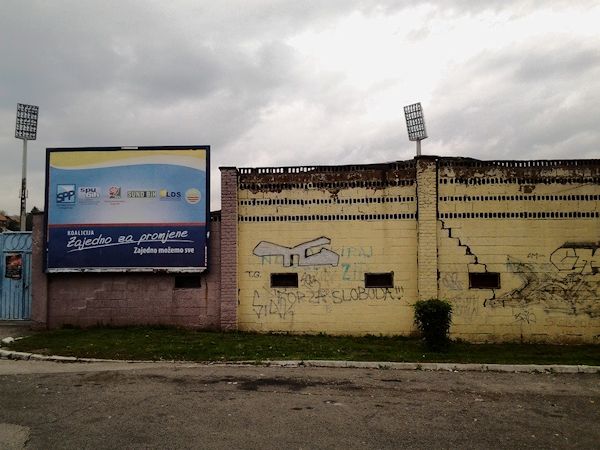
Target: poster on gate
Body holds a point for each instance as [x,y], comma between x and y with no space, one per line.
[127,209]
[13,266]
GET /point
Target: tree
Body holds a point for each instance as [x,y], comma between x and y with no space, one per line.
[29,218]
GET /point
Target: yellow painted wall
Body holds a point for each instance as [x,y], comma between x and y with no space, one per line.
[549,266]
[536,224]
[331,298]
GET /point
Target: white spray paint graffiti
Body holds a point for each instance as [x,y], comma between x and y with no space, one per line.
[306,253]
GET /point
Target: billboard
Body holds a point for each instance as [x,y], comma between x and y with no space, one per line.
[127,209]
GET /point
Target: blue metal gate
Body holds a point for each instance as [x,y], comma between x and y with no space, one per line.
[15,276]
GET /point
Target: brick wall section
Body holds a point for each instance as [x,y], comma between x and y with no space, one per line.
[199,308]
[39,286]
[89,299]
[427,277]
[229,250]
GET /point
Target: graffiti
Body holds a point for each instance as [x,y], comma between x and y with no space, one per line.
[309,280]
[525,316]
[264,260]
[309,253]
[354,271]
[345,269]
[452,282]
[318,281]
[465,308]
[535,256]
[362,293]
[282,303]
[580,257]
[356,252]
[556,291]
[320,273]
[252,273]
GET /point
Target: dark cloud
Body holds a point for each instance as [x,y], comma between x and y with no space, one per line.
[539,100]
[566,62]
[143,72]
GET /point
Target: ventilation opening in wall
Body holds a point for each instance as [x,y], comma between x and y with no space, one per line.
[284,280]
[379,280]
[484,280]
[187,281]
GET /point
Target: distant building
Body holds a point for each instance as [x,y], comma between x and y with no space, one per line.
[9,223]
[3,222]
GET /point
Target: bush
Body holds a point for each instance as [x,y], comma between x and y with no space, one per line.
[433,318]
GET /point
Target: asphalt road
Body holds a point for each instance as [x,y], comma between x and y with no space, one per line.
[117,405]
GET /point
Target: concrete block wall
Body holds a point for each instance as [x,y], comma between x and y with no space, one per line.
[89,299]
[351,222]
[537,225]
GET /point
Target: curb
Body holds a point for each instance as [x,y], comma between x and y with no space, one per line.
[446,367]
[449,367]
[24,356]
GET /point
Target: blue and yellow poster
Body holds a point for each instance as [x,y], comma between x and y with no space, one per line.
[113,209]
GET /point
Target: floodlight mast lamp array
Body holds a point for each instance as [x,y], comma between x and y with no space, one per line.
[415,124]
[25,129]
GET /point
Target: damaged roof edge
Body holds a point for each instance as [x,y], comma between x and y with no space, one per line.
[410,164]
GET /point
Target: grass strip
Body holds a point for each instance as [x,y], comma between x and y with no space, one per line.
[165,343]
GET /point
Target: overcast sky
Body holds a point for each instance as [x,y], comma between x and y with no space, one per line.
[276,83]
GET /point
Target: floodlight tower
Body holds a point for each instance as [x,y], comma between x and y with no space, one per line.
[415,124]
[25,129]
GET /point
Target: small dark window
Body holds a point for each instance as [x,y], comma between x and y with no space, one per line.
[484,280]
[284,280]
[379,280]
[187,281]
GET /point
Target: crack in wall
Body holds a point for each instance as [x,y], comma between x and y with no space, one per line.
[465,247]
[468,252]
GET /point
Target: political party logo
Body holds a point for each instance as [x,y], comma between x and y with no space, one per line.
[85,193]
[166,194]
[114,192]
[141,194]
[65,193]
[192,196]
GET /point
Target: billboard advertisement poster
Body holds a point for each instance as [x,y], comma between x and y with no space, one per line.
[127,209]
